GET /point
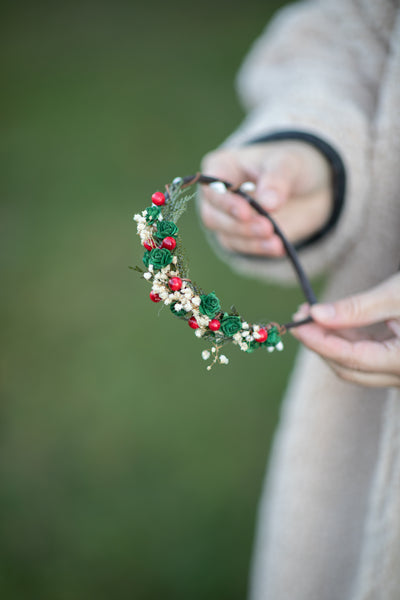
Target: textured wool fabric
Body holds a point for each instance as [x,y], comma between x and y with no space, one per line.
[329,519]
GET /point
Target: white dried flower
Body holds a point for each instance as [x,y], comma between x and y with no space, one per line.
[218,187]
[243,347]
[237,337]
[205,355]
[213,349]
[198,332]
[196,301]
[245,325]
[147,276]
[248,186]
[224,360]
[256,328]
[279,346]
[167,301]
[144,213]
[270,348]
[175,260]
[245,333]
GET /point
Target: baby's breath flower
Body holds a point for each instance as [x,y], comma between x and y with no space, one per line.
[270,348]
[198,332]
[147,276]
[205,355]
[245,333]
[196,301]
[237,337]
[224,360]
[245,325]
[178,306]
[175,260]
[279,346]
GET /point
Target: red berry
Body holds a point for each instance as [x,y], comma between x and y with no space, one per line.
[262,335]
[155,297]
[149,244]
[158,198]
[175,283]
[169,243]
[214,324]
[193,323]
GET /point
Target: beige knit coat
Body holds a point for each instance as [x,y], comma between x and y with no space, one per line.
[329,519]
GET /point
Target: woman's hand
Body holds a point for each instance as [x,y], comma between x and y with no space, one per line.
[364,361]
[292,182]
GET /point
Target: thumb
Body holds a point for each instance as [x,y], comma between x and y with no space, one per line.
[374,306]
[276,181]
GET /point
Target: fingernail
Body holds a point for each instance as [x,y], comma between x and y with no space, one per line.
[302,312]
[269,199]
[323,311]
[267,245]
[258,228]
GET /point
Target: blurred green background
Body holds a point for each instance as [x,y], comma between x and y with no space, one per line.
[126,469]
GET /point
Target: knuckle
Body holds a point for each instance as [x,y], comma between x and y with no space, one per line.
[351,309]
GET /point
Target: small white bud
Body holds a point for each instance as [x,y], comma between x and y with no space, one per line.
[177,180]
[248,186]
[147,276]
[218,187]
[224,360]
[270,348]
[279,346]
[205,355]
[213,349]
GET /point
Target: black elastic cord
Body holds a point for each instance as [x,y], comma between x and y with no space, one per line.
[337,169]
[290,250]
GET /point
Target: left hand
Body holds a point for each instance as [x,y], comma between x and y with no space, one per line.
[364,361]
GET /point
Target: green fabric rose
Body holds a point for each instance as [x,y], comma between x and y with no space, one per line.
[209,305]
[152,213]
[230,324]
[273,337]
[146,258]
[160,257]
[166,229]
[177,313]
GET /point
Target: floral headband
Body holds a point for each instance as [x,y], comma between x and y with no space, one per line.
[167,271]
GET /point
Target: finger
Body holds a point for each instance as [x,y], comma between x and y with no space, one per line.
[300,216]
[263,247]
[366,379]
[226,166]
[361,355]
[222,222]
[277,180]
[375,305]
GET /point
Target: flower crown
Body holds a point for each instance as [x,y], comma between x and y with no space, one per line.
[167,272]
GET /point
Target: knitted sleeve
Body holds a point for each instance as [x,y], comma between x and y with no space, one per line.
[316,70]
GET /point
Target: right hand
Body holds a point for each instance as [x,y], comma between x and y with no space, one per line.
[293,183]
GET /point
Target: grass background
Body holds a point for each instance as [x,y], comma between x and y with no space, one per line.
[127,470]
